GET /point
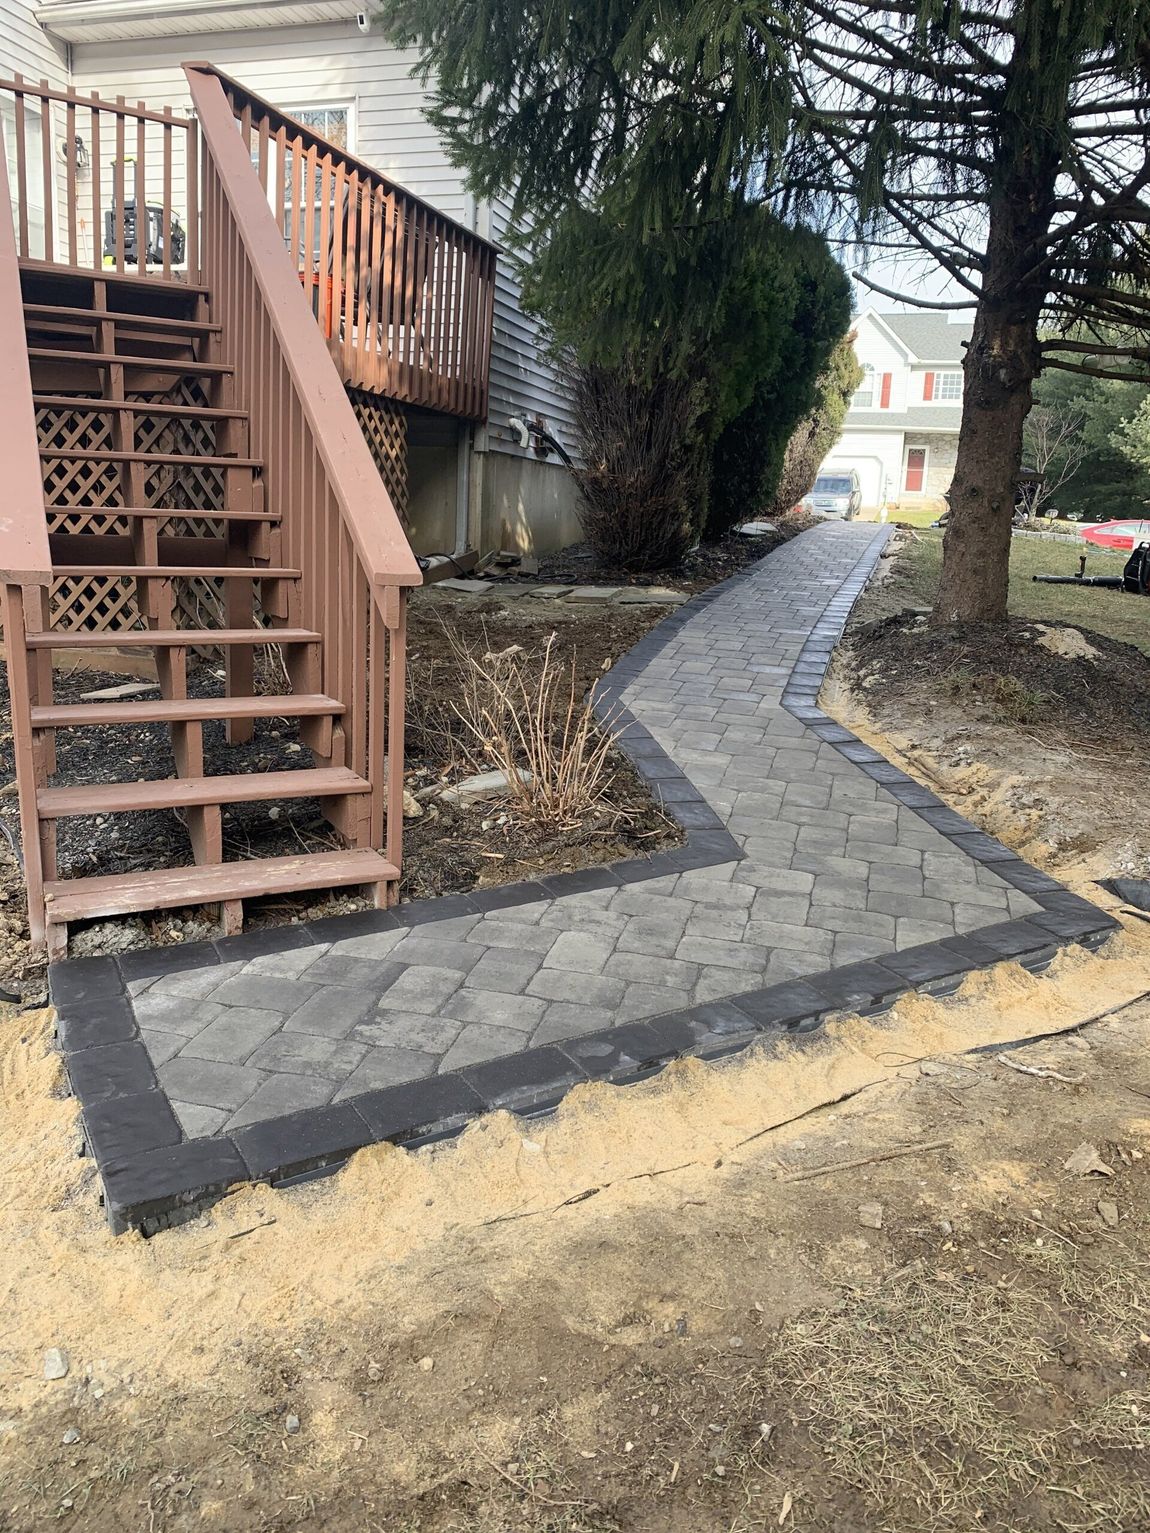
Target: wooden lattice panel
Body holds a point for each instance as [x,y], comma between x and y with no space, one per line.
[384,426]
[92,491]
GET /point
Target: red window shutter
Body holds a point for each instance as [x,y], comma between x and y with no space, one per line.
[884,393]
[928,386]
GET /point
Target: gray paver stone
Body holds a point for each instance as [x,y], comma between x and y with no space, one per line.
[207,1083]
[234,1036]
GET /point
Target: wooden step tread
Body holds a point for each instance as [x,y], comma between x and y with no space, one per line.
[164,513]
[162,459]
[167,638]
[188,792]
[80,899]
[80,276]
[141,407]
[106,358]
[174,571]
[162,710]
[50,312]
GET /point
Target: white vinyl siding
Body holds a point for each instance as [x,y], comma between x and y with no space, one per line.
[26,49]
[332,65]
[524,381]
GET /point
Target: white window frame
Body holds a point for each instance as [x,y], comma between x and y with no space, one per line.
[870,373]
[923,448]
[940,396]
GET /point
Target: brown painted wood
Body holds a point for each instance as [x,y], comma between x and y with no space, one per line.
[166,888]
[149,364]
[149,407]
[181,792]
[130,455]
[174,572]
[163,710]
[119,317]
[179,638]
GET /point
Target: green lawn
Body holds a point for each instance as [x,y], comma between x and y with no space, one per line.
[913,581]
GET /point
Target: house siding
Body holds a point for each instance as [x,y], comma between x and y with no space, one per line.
[25,48]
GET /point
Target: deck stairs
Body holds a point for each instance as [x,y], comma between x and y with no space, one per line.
[157,510]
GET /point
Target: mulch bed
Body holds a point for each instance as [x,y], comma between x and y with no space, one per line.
[1006,673]
[704,566]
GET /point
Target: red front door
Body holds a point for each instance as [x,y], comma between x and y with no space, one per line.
[915,469]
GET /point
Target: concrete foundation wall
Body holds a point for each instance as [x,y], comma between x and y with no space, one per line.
[522,504]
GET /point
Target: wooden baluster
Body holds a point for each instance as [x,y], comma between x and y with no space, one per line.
[70,182]
[20,699]
[192,171]
[340,215]
[351,285]
[47,135]
[166,215]
[324,252]
[118,184]
[395,618]
[141,193]
[21,148]
[97,197]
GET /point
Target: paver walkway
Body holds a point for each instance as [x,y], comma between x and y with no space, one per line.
[835,870]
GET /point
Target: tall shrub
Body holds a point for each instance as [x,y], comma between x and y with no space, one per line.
[819,429]
[641,481]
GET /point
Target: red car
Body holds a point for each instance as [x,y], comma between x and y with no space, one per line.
[1117,535]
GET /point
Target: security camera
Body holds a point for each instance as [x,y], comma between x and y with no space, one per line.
[363,20]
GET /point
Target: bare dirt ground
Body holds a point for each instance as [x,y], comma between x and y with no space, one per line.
[849,1287]
[1037,729]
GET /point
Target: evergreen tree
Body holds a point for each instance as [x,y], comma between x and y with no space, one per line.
[1005,139]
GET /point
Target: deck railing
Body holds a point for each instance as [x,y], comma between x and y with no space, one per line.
[84,167]
[337,524]
[404,295]
[25,560]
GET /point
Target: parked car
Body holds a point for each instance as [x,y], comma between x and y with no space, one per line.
[834,494]
[1117,535]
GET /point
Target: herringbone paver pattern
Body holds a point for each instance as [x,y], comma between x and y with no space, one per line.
[835,871]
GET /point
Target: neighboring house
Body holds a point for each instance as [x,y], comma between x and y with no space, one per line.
[901,431]
[470,483]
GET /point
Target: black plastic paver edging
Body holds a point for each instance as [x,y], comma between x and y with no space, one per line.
[152,1181]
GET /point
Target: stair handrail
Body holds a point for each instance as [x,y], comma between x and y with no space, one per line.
[365,507]
[25,558]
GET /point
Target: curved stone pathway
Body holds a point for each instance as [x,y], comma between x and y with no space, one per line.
[804,866]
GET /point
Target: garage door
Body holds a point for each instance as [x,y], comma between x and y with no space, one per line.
[870,475]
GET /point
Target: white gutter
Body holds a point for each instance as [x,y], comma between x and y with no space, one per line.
[75,20]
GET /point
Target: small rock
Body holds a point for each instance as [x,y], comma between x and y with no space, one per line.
[756,529]
[734,1341]
[426,1364]
[70,1436]
[56,1363]
[291,1425]
[412,808]
[1086,1161]
[1108,1212]
[870,1216]
[482,785]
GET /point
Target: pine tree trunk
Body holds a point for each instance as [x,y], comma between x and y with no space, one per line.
[1001,364]
[1002,360]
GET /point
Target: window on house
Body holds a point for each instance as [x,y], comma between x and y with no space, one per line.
[948,386]
[333,123]
[864,394]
